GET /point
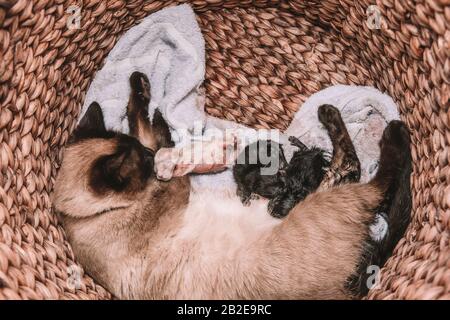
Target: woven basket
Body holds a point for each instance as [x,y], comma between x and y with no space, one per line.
[264,58]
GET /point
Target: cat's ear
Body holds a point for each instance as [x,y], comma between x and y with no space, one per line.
[118,169]
[91,124]
[161,131]
[92,119]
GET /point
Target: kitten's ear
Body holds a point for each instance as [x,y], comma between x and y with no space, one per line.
[91,124]
[161,131]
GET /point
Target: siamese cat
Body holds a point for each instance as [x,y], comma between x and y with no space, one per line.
[142,238]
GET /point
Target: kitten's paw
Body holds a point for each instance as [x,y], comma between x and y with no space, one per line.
[244,196]
[277,208]
[254,196]
[297,143]
[140,86]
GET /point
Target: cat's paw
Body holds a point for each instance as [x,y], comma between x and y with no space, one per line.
[328,113]
[396,135]
[140,86]
[165,162]
[395,152]
[395,144]
[330,117]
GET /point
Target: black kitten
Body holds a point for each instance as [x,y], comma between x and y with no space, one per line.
[247,172]
[303,175]
[307,171]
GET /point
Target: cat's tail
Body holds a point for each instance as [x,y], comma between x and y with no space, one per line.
[393,179]
[398,200]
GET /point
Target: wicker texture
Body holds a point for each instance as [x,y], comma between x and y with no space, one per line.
[264,58]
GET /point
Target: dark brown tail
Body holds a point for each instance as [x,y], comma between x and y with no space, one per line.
[393,178]
[398,200]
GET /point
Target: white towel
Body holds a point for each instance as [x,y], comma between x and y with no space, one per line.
[365,111]
[169,48]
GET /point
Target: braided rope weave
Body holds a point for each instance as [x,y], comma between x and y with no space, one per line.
[264,57]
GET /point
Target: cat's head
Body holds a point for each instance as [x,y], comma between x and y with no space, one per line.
[102,169]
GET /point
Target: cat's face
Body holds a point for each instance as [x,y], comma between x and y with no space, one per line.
[115,164]
[101,169]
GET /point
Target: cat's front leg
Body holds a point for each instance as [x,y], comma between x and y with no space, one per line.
[153,135]
[137,108]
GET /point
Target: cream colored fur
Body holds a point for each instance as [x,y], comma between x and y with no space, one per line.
[213,247]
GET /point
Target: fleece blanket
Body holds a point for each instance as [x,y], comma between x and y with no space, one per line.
[168,46]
